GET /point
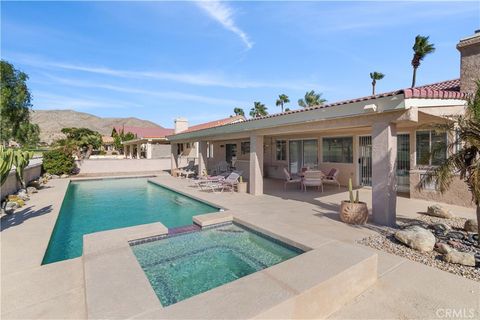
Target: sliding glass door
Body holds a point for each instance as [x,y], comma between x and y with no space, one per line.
[302,153]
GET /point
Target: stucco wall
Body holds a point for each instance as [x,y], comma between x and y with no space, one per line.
[160,151]
[113,166]
[12,184]
[457,194]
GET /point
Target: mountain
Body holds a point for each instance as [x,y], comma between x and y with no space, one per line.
[51,122]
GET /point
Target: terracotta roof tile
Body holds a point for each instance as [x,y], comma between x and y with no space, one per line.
[145,132]
[215,123]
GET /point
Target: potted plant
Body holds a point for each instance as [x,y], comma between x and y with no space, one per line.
[241,186]
[353,211]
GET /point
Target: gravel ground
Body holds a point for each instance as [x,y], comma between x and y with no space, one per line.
[385,241]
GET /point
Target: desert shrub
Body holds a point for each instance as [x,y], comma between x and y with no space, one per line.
[102,152]
[114,153]
[58,162]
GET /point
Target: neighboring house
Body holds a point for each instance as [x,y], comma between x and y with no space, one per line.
[149,143]
[379,141]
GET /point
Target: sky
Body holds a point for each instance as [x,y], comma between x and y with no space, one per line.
[162,60]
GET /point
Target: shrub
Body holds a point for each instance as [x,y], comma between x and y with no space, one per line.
[114,153]
[58,162]
[102,152]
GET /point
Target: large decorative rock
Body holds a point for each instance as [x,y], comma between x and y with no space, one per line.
[54,176]
[31,190]
[463,258]
[439,211]
[36,184]
[416,238]
[443,248]
[10,207]
[64,176]
[22,194]
[471,225]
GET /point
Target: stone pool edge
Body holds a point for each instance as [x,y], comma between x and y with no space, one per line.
[113,274]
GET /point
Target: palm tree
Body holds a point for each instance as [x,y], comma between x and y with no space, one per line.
[311,99]
[282,100]
[420,49]
[258,110]
[239,112]
[463,152]
[375,76]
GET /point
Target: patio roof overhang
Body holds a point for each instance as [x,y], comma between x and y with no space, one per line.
[393,108]
[144,140]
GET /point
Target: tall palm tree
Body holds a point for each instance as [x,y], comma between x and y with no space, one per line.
[282,100]
[239,112]
[258,110]
[420,49]
[375,76]
[311,99]
[463,152]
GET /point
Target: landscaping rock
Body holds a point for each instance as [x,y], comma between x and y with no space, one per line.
[443,248]
[22,194]
[439,211]
[10,207]
[35,184]
[31,190]
[416,238]
[463,258]
[471,225]
[64,176]
[54,176]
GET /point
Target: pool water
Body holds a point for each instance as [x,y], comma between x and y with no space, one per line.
[99,205]
[185,265]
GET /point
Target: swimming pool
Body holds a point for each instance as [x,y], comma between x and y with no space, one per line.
[185,265]
[98,205]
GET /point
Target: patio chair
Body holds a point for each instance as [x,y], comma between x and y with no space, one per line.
[222,184]
[221,167]
[312,179]
[289,179]
[188,170]
[231,181]
[331,177]
[207,179]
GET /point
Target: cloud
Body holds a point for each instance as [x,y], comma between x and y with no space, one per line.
[223,14]
[198,79]
[46,100]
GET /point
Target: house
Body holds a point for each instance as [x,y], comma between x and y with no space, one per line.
[379,141]
[149,143]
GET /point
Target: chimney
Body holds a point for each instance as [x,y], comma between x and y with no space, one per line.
[469,62]
[181,124]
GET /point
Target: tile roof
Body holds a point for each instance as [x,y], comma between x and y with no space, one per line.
[145,132]
[216,123]
[449,89]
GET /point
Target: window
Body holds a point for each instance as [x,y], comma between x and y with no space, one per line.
[431,147]
[338,149]
[281,150]
[245,147]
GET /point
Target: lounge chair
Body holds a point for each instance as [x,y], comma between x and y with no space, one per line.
[188,170]
[289,179]
[312,179]
[331,177]
[222,184]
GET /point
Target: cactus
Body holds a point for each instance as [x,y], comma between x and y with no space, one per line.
[6,162]
[350,192]
[21,159]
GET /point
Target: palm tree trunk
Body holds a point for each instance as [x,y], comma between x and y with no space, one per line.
[282,107]
[414,78]
[373,89]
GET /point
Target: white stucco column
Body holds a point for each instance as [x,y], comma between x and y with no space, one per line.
[255,179]
[125,151]
[384,184]
[202,157]
[130,151]
[139,149]
[148,153]
[173,157]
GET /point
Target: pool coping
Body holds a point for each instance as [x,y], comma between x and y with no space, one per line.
[291,289]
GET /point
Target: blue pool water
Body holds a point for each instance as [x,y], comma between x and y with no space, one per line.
[182,266]
[98,205]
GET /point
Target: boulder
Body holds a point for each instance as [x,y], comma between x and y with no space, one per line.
[22,194]
[443,248]
[31,190]
[416,238]
[10,207]
[64,176]
[35,184]
[439,211]
[471,225]
[463,258]
[54,176]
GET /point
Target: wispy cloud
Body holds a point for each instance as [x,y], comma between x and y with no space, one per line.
[47,100]
[198,79]
[223,14]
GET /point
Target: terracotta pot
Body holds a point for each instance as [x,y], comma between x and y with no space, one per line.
[242,187]
[354,213]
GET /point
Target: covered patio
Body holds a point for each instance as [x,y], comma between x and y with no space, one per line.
[373,141]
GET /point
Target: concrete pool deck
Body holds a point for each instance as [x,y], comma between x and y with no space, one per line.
[405,289]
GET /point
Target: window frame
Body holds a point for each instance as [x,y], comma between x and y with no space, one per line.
[283,150]
[431,162]
[345,158]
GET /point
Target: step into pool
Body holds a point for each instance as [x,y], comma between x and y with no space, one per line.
[98,205]
[185,265]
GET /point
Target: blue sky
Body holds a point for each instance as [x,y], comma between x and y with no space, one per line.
[161,60]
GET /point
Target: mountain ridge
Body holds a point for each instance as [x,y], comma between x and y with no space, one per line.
[51,122]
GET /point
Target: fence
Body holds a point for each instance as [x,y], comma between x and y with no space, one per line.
[12,184]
